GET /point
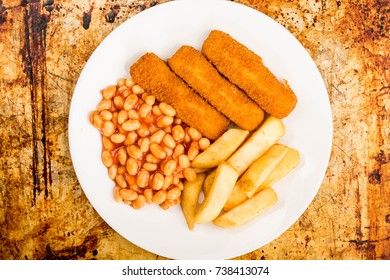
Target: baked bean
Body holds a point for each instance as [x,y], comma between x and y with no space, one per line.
[157,136]
[139,202]
[130,101]
[187,138]
[107,158]
[176,178]
[135,188]
[126,93]
[169,151]
[122,116]
[192,153]
[137,89]
[178,133]
[144,110]
[177,121]
[169,167]
[132,166]
[131,138]
[144,95]
[107,144]
[118,102]
[143,144]
[106,115]
[167,109]
[189,174]
[131,125]
[109,92]
[194,134]
[159,197]
[143,131]
[121,170]
[105,104]
[150,100]
[179,150]
[184,162]
[121,82]
[169,141]
[157,150]
[117,196]
[157,181]
[168,129]
[134,151]
[142,178]
[150,166]
[164,206]
[164,121]
[128,194]
[153,128]
[133,114]
[149,120]
[120,180]
[121,89]
[129,82]
[113,171]
[204,143]
[115,118]
[117,138]
[173,193]
[92,115]
[152,159]
[170,202]
[156,110]
[122,156]
[168,180]
[180,185]
[130,179]
[98,121]
[148,193]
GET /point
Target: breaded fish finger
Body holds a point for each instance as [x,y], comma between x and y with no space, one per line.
[246,69]
[190,65]
[152,73]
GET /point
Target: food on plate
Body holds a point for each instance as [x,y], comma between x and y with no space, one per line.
[147,149]
[221,149]
[247,210]
[259,170]
[245,69]
[190,65]
[167,136]
[223,183]
[260,141]
[287,163]
[153,74]
[190,196]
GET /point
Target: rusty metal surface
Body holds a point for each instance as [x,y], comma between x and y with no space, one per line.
[45,44]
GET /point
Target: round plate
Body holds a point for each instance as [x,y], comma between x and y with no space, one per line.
[163,29]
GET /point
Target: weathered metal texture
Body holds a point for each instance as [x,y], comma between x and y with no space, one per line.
[43,211]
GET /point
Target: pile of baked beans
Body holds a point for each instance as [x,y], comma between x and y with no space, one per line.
[147,149]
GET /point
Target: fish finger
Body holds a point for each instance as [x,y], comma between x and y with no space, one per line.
[190,65]
[154,75]
[246,69]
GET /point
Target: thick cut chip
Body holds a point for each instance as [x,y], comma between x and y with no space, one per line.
[221,149]
[248,210]
[223,183]
[259,170]
[257,144]
[190,196]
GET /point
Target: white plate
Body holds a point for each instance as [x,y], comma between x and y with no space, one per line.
[163,29]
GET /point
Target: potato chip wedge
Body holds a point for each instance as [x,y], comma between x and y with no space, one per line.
[221,149]
[258,143]
[248,210]
[190,196]
[223,183]
[208,182]
[259,170]
[288,163]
